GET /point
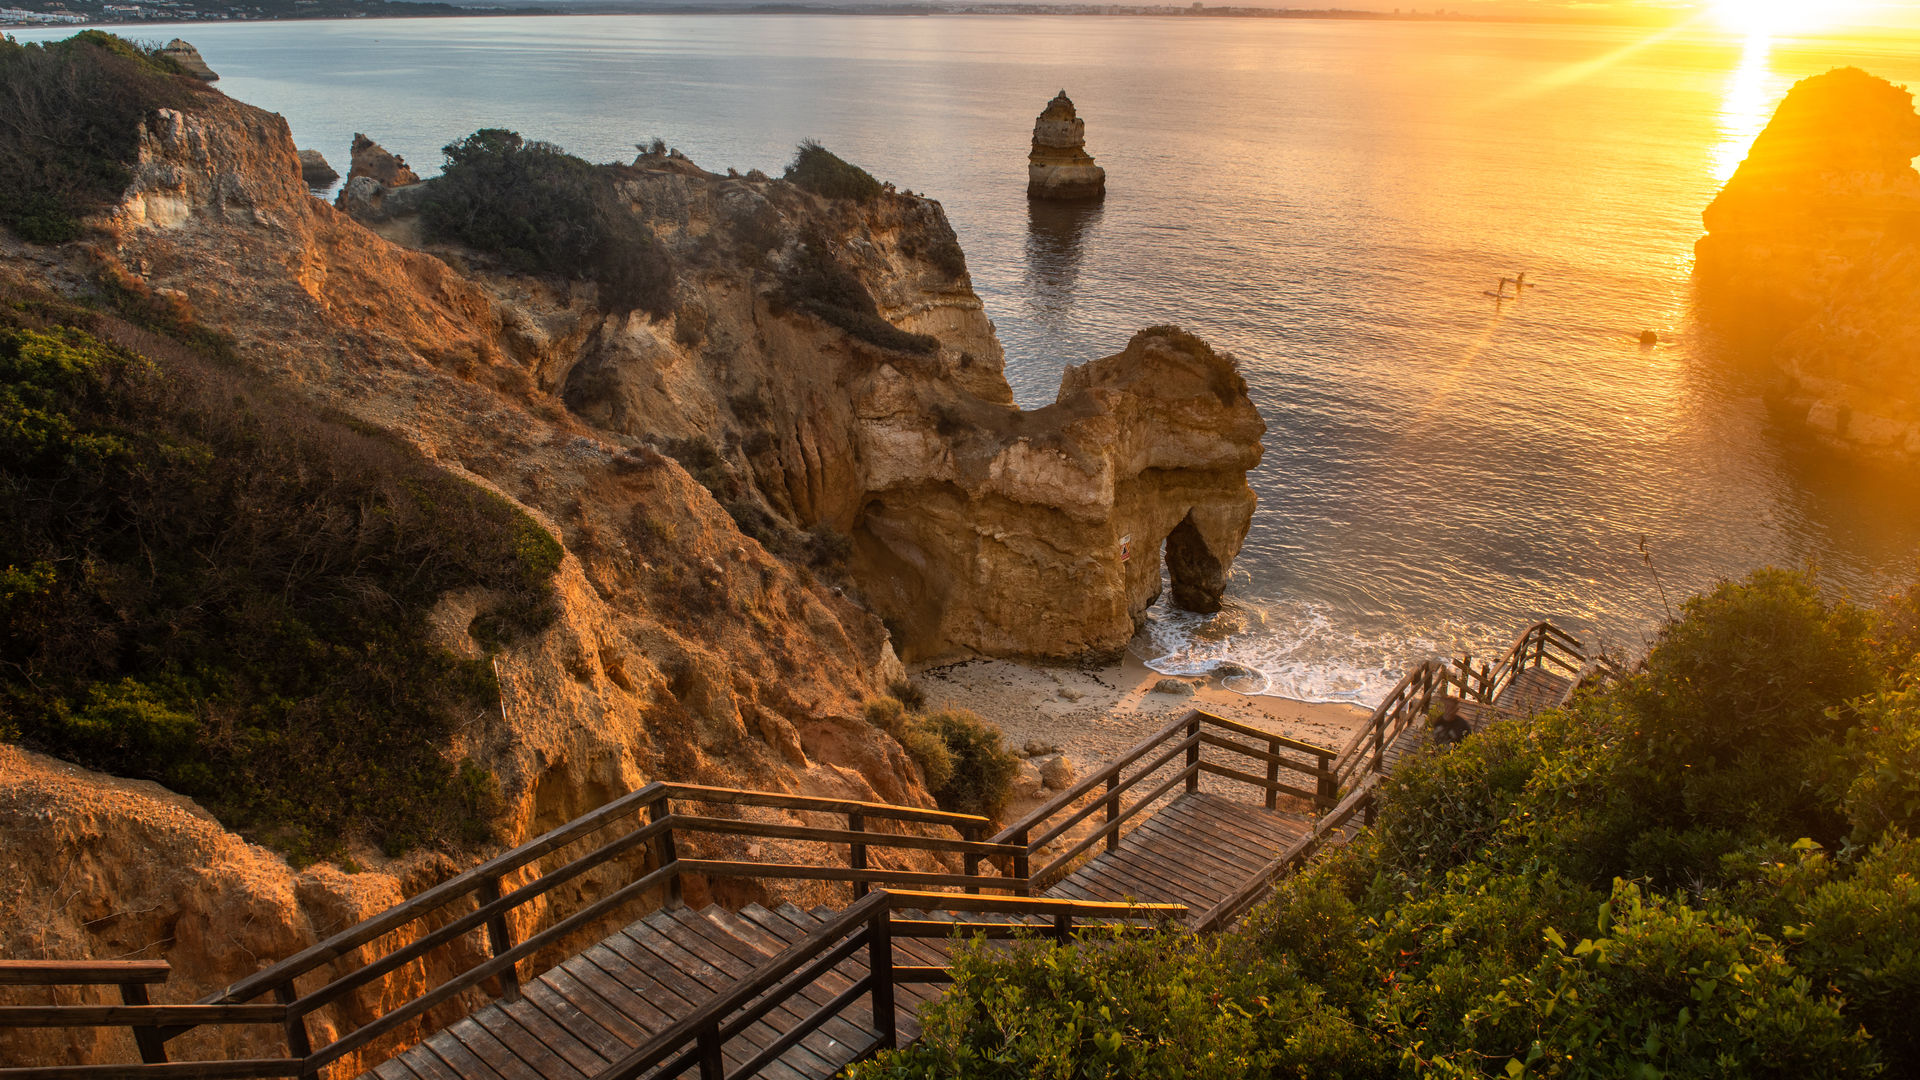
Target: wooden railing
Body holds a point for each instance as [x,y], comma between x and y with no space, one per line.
[1407,703]
[869,926]
[1176,755]
[645,826]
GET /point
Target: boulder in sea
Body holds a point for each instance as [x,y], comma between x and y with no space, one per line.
[189,59]
[1059,166]
[315,170]
[370,159]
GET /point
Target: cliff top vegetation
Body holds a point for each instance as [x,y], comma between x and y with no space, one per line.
[542,210]
[211,585]
[819,170]
[1707,870]
[73,110]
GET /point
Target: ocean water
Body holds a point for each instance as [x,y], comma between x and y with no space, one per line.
[1330,201]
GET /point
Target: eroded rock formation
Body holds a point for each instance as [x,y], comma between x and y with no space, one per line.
[315,170]
[1058,166]
[1812,256]
[372,160]
[189,59]
[987,529]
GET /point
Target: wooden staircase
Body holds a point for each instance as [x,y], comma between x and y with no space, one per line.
[1163,833]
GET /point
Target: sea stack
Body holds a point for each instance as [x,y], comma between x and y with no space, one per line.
[1059,166]
[189,60]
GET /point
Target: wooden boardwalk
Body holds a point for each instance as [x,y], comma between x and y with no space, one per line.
[1530,691]
[791,994]
[1196,851]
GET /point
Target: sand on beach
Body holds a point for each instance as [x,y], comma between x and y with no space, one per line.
[1094,713]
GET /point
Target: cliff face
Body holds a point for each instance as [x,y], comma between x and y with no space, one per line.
[702,469]
[1813,255]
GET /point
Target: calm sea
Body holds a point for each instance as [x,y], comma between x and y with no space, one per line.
[1331,201]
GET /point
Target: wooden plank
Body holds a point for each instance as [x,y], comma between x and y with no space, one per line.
[1163,838]
[690,976]
[1142,867]
[739,960]
[82,972]
[393,1069]
[561,981]
[524,1045]
[480,1043]
[783,801]
[649,1016]
[463,1062]
[557,1038]
[545,995]
[427,1065]
[1186,824]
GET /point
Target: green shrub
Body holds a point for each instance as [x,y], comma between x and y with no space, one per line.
[909,693]
[983,769]
[888,714]
[542,210]
[1861,935]
[1164,1005]
[73,111]
[1883,755]
[215,588]
[815,282]
[822,172]
[1752,667]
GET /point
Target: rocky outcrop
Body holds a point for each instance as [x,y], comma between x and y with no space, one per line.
[1040,534]
[1058,166]
[189,60]
[1812,258]
[315,170]
[371,160]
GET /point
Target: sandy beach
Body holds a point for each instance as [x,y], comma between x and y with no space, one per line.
[1094,713]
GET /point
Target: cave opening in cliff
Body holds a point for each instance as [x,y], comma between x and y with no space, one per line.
[1197,575]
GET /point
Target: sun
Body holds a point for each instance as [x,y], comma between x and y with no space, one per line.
[1766,18]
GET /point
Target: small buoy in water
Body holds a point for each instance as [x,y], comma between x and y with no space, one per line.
[1648,337]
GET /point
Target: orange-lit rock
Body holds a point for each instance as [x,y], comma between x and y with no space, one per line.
[1058,166]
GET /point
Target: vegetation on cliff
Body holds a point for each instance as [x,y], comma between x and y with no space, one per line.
[210,585]
[962,758]
[543,211]
[71,131]
[1708,869]
[826,174]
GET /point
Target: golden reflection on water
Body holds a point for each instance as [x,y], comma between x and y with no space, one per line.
[1746,104]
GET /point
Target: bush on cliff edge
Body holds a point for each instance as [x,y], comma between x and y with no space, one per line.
[542,210]
[204,584]
[73,110]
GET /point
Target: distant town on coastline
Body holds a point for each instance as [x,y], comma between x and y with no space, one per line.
[98,12]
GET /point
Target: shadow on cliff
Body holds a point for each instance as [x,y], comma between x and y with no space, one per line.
[1057,238]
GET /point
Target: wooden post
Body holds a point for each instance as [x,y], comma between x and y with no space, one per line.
[880,968]
[500,939]
[972,861]
[663,850]
[1193,754]
[713,1063]
[1022,866]
[1273,775]
[1327,786]
[299,1045]
[857,855]
[1113,810]
[1062,925]
[152,1044]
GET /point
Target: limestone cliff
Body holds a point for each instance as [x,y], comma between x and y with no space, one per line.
[1812,256]
[1058,166]
[823,401]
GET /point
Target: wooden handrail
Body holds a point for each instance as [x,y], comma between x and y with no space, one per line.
[1189,734]
[82,972]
